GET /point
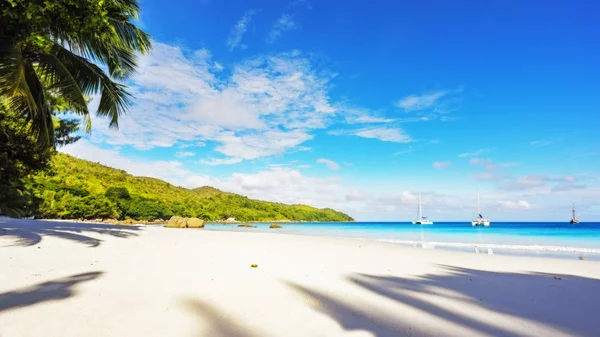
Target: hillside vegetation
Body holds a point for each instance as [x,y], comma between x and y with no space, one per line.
[75,188]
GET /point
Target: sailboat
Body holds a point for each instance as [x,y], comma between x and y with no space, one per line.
[480,220]
[574,219]
[421,220]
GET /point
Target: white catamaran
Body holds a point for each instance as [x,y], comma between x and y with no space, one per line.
[480,221]
[574,219]
[421,220]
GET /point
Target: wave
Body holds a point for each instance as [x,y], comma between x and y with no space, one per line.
[496,246]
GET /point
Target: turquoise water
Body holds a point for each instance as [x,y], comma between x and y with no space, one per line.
[515,238]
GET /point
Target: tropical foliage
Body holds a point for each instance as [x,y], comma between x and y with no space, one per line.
[21,156]
[53,57]
[60,47]
[75,188]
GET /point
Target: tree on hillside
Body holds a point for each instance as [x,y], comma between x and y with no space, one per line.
[61,47]
[21,156]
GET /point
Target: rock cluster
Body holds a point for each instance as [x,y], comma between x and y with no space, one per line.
[179,222]
[274,225]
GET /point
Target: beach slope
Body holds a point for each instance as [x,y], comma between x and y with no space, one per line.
[72,279]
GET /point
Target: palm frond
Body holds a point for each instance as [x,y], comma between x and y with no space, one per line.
[117,45]
[60,81]
[115,54]
[130,36]
[114,98]
[22,90]
[40,114]
[67,58]
[11,67]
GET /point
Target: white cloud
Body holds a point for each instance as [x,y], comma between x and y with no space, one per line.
[186,145]
[329,163]
[475,153]
[493,171]
[252,146]
[441,164]
[356,195]
[487,163]
[567,178]
[489,176]
[405,151]
[284,23]
[356,115]
[169,170]
[371,119]
[226,109]
[430,106]
[267,106]
[525,183]
[540,143]
[407,202]
[217,66]
[420,102]
[290,186]
[386,134]
[221,161]
[542,182]
[568,187]
[183,154]
[521,204]
[238,31]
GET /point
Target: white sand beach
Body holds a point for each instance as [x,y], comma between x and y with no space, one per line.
[70,279]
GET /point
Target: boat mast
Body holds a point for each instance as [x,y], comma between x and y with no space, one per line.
[419,216]
[574,217]
[478,211]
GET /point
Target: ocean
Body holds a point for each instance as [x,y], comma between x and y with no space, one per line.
[547,239]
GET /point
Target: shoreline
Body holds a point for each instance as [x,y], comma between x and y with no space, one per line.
[470,247]
[158,222]
[543,251]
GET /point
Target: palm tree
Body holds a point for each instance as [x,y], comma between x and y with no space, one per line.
[62,48]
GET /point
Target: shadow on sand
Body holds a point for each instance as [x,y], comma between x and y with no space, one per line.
[564,303]
[31,232]
[47,291]
[218,323]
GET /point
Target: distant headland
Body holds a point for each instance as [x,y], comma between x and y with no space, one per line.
[80,189]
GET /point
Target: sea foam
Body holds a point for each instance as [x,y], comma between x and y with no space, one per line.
[496,246]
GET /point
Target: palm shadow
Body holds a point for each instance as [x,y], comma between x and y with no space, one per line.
[219,323]
[31,232]
[563,303]
[47,291]
[352,316]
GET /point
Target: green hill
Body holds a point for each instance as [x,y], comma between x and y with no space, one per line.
[76,188]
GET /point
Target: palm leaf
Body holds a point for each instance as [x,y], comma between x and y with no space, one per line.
[40,116]
[11,67]
[114,98]
[115,46]
[71,65]
[60,81]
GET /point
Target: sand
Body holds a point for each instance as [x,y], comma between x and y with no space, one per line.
[69,279]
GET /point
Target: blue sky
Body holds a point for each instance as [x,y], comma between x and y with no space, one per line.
[359,106]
